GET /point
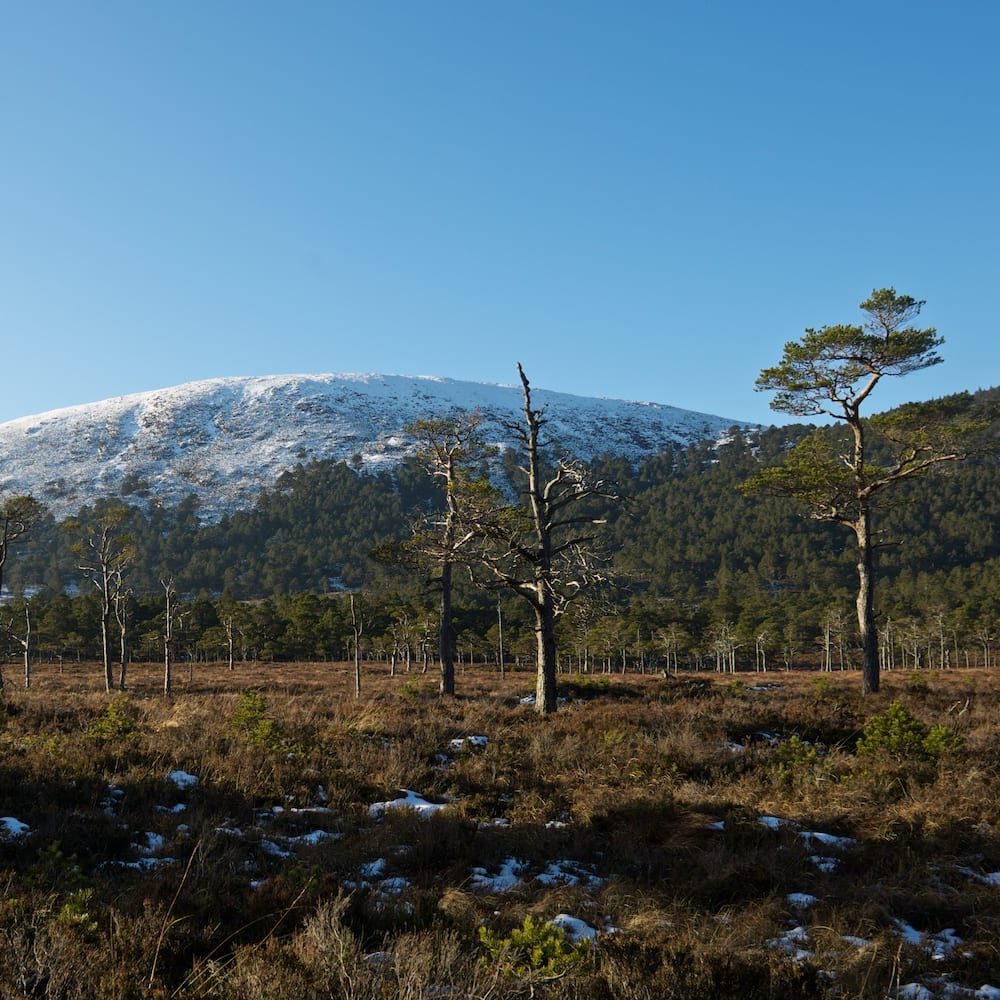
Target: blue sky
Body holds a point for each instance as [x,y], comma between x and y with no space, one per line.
[637,200]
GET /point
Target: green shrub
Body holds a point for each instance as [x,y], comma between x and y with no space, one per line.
[795,756]
[535,948]
[75,912]
[410,689]
[897,734]
[114,723]
[251,724]
[821,685]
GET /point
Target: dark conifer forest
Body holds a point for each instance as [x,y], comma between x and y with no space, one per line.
[703,575]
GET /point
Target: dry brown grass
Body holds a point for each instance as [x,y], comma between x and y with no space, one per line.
[627,779]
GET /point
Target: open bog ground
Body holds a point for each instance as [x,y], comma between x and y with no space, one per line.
[265,832]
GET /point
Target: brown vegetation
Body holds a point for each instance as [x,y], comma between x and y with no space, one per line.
[647,791]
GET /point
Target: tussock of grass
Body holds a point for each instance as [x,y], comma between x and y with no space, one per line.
[648,790]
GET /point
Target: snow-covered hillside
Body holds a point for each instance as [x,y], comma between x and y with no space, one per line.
[224,439]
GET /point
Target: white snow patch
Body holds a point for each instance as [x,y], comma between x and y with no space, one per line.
[939,946]
[991,878]
[506,879]
[409,800]
[13,828]
[182,779]
[825,865]
[470,742]
[569,873]
[152,843]
[801,900]
[828,840]
[574,928]
[776,822]
[856,942]
[914,991]
[793,943]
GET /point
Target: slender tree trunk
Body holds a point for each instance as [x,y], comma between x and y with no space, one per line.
[27,646]
[168,635]
[866,605]
[123,659]
[445,646]
[230,652]
[109,680]
[500,639]
[358,626]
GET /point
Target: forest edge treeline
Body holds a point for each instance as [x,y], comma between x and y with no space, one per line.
[699,574]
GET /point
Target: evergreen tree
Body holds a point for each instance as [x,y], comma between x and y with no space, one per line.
[832,372]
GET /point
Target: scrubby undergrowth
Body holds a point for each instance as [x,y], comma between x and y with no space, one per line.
[774,836]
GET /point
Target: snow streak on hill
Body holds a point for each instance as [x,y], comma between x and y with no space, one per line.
[225,439]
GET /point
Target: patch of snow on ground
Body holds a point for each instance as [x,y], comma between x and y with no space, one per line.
[182,779]
[801,900]
[308,839]
[409,800]
[13,828]
[506,879]
[793,943]
[153,843]
[991,878]
[828,840]
[856,942]
[467,742]
[914,991]
[497,821]
[569,873]
[825,865]
[775,822]
[939,946]
[574,928]
[373,869]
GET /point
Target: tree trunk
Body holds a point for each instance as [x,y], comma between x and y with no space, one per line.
[109,680]
[545,633]
[123,659]
[445,646]
[27,647]
[866,605]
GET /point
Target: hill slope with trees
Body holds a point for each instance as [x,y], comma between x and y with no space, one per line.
[703,572]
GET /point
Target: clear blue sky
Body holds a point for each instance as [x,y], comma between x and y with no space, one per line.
[637,200]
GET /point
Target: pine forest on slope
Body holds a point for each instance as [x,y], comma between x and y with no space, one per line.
[692,553]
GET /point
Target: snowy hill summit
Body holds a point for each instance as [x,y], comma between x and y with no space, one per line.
[225,439]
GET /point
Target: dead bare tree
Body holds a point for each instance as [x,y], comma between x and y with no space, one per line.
[544,548]
[169,617]
[107,553]
[358,628]
[23,639]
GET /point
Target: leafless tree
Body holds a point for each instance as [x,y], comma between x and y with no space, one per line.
[358,628]
[23,639]
[542,549]
[169,619]
[107,553]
